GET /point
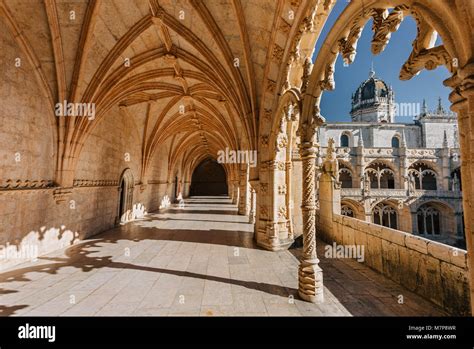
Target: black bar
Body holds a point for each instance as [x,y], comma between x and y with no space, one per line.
[313,332]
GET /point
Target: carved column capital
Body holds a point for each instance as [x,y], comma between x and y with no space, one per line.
[462,85]
[308,149]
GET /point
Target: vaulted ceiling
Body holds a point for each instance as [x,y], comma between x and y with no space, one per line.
[192,69]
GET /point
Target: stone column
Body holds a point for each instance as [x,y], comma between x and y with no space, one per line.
[310,275]
[235,192]
[186,188]
[252,206]
[462,99]
[243,189]
[329,201]
[443,180]
[296,194]
[402,153]
[360,160]
[289,199]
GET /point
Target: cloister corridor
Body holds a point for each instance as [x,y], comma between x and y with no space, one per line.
[196,260]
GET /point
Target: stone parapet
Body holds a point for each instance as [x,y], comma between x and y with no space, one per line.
[435,271]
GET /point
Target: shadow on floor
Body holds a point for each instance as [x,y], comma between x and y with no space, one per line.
[361,291]
[366,292]
[7,311]
[209,211]
[81,255]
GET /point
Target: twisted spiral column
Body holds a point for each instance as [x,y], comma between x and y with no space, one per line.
[310,275]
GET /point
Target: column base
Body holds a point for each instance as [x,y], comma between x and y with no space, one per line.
[252,218]
[278,245]
[243,211]
[310,282]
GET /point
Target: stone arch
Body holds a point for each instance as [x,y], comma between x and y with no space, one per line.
[424,175]
[355,207]
[380,174]
[343,36]
[209,178]
[396,141]
[346,175]
[347,164]
[385,213]
[439,17]
[435,219]
[346,139]
[275,221]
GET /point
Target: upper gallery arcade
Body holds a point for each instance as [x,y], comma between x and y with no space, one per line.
[159,87]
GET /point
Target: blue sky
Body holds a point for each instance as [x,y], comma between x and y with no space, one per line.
[336,105]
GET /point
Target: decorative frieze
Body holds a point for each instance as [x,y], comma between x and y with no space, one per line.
[15,184]
[95,183]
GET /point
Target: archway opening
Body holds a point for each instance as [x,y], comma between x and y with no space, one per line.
[123,194]
[345,176]
[125,209]
[386,215]
[423,176]
[380,176]
[209,179]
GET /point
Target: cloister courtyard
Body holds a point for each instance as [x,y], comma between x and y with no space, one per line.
[185,158]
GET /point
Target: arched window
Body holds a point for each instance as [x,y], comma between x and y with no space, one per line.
[385,215]
[347,211]
[428,181]
[344,140]
[422,177]
[345,176]
[395,142]
[428,220]
[380,176]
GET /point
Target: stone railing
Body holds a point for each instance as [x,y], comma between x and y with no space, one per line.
[401,193]
[431,269]
[375,152]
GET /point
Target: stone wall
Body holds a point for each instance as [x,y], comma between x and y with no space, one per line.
[433,270]
[32,222]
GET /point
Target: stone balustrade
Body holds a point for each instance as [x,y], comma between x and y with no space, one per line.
[401,193]
[433,270]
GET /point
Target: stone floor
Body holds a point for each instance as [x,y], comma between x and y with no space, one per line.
[200,260]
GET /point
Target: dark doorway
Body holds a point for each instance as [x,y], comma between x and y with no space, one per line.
[175,190]
[123,194]
[125,207]
[209,179]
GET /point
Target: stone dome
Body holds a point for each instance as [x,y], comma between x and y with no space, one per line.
[373,101]
[370,90]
